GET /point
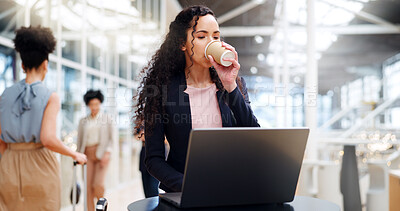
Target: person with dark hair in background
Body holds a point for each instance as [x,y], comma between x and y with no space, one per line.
[182,89]
[150,184]
[29,171]
[96,133]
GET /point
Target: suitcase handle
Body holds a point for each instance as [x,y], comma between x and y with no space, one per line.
[76,163]
[85,184]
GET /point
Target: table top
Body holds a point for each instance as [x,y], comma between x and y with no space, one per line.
[300,203]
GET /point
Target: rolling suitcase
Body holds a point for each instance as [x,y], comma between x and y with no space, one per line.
[102,203]
[74,189]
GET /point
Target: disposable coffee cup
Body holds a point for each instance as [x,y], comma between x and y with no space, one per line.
[219,53]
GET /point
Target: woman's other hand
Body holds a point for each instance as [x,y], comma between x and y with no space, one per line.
[227,75]
[105,159]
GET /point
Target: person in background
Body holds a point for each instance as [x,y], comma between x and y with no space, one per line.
[29,170]
[182,89]
[96,134]
[150,184]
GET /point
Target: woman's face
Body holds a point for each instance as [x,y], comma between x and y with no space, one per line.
[94,106]
[207,29]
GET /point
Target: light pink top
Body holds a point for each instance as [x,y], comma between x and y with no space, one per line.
[204,107]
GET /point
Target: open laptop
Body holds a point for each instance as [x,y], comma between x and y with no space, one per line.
[240,166]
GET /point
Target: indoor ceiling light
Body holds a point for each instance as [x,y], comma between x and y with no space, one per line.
[119,6]
[253,70]
[260,57]
[259,1]
[258,39]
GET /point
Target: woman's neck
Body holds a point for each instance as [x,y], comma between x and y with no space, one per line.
[93,115]
[198,77]
[32,76]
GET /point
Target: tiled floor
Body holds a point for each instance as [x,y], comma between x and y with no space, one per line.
[120,197]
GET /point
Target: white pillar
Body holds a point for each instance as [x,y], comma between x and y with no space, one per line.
[163,17]
[65,162]
[139,7]
[128,62]
[27,15]
[116,58]
[311,81]
[310,96]
[156,15]
[276,69]
[278,81]
[18,63]
[111,103]
[58,62]
[84,55]
[47,16]
[148,11]
[285,67]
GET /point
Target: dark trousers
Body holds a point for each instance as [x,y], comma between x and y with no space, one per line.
[150,184]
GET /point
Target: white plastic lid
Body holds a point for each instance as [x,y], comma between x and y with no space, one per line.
[227,54]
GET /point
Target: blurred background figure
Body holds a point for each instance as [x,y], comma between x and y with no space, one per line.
[150,184]
[29,171]
[95,138]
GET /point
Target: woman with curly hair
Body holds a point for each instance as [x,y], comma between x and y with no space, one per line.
[29,171]
[181,90]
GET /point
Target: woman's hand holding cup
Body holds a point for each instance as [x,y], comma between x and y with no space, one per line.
[228,74]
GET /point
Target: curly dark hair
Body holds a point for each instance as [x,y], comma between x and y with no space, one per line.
[93,94]
[34,45]
[168,61]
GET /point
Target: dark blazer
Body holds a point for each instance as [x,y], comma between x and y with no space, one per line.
[176,126]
